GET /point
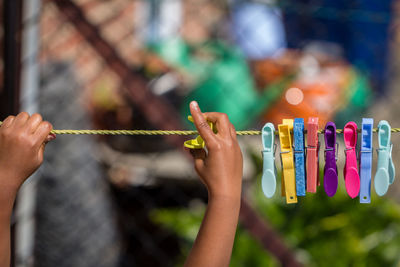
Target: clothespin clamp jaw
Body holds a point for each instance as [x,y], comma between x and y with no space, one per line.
[312,155]
[336,149]
[198,142]
[392,169]
[330,169]
[299,157]
[351,175]
[385,173]
[365,159]
[288,177]
[268,179]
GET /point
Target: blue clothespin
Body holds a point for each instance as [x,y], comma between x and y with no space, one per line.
[268,180]
[366,159]
[299,158]
[385,173]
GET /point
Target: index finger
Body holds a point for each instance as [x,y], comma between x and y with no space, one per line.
[201,124]
[8,121]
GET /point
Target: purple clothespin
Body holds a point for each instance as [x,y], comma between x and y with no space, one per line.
[330,170]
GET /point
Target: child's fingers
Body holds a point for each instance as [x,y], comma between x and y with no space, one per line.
[233,132]
[221,121]
[201,124]
[42,132]
[8,121]
[21,119]
[198,153]
[34,122]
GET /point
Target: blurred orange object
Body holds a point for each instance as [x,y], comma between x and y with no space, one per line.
[317,95]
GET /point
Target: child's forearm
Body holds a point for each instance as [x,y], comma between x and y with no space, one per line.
[5,242]
[7,198]
[214,242]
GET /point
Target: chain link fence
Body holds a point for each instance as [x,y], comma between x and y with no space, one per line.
[136,64]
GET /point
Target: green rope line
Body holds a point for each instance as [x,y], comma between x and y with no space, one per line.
[172,132]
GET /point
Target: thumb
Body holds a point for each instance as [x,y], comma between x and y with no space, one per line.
[48,139]
[199,155]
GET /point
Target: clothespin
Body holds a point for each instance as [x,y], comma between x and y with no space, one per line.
[366,160]
[312,155]
[290,123]
[268,180]
[198,142]
[299,158]
[351,176]
[330,169]
[288,181]
[385,173]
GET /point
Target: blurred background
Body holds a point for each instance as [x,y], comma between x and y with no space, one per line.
[136,64]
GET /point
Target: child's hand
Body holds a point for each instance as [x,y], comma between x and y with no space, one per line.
[22,141]
[220,169]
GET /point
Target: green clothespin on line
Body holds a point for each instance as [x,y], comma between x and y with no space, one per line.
[198,142]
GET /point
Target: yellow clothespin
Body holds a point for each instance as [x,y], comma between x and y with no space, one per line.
[198,142]
[290,123]
[288,175]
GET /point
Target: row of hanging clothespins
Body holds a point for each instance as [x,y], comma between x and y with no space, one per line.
[300,162]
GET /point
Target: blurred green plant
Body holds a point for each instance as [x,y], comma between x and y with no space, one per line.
[186,223]
[322,231]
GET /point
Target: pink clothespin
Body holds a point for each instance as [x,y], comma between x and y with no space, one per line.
[351,176]
[312,155]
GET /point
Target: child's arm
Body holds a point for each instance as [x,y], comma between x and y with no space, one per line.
[221,170]
[22,140]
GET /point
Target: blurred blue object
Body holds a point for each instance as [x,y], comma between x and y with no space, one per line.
[258,29]
[361,27]
[162,19]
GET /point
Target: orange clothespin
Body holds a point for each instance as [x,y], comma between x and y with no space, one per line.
[288,175]
[312,155]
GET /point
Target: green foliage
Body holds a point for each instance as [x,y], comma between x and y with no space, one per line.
[336,230]
[186,223]
[322,231]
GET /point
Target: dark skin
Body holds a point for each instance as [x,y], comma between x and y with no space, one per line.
[221,170]
[22,142]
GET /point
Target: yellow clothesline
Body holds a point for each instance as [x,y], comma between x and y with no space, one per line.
[174,132]
[142,132]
